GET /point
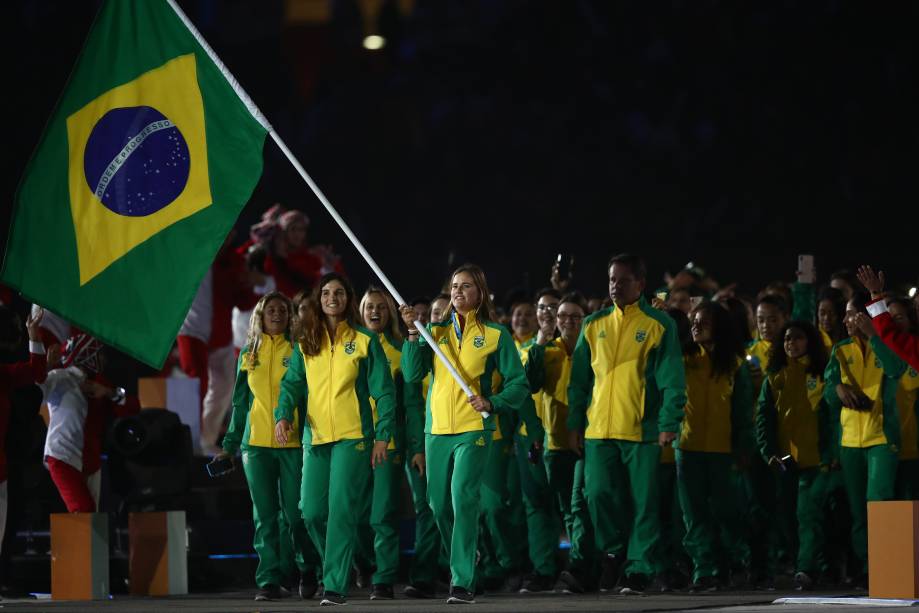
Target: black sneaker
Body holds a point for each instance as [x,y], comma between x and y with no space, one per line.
[704,584]
[535,584]
[635,585]
[419,590]
[803,581]
[612,568]
[660,584]
[331,599]
[764,583]
[381,591]
[515,581]
[269,592]
[308,584]
[363,578]
[860,583]
[460,595]
[572,582]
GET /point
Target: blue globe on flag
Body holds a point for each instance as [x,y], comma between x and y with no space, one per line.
[136,161]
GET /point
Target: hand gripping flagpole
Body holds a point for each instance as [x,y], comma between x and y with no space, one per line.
[257,114]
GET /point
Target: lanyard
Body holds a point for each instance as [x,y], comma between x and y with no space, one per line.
[456,328]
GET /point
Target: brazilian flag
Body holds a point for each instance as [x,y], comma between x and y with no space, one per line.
[150,155]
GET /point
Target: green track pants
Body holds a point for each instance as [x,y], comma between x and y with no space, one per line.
[565,473]
[427,539]
[378,533]
[620,482]
[801,499]
[707,498]
[543,518]
[869,474]
[456,463]
[500,555]
[274,485]
[334,487]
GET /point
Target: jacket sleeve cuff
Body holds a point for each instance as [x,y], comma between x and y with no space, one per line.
[878,307]
[281,413]
[37,347]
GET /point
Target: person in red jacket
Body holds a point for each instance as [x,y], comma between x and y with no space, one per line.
[903,343]
[13,376]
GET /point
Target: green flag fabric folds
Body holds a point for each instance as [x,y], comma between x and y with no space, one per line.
[144,166]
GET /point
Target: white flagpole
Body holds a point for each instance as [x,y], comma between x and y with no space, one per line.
[370,262]
[257,114]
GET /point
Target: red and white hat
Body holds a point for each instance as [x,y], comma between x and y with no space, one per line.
[84,351]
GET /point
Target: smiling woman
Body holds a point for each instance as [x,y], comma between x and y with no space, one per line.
[458,430]
[343,366]
[272,468]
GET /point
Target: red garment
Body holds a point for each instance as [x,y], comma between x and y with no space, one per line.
[100,412]
[904,344]
[193,360]
[230,289]
[72,486]
[300,270]
[12,376]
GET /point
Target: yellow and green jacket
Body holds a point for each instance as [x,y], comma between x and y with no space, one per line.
[627,379]
[548,370]
[477,352]
[717,414]
[257,389]
[408,426]
[875,372]
[792,417]
[338,384]
[908,407]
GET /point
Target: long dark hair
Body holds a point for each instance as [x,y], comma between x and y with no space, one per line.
[312,327]
[726,347]
[486,310]
[815,349]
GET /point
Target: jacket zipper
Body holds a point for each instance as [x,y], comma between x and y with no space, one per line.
[612,391]
[331,386]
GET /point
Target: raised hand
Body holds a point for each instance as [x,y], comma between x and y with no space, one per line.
[873,282]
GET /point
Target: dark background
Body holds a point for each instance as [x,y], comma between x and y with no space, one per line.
[736,135]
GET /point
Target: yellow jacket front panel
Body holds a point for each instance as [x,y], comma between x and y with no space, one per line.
[554,397]
[256,393]
[715,407]
[484,349]
[791,418]
[339,382]
[627,379]
[873,369]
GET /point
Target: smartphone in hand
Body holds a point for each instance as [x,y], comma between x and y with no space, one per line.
[220,466]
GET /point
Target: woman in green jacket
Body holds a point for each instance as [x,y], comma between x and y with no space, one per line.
[793,432]
[272,468]
[337,365]
[379,531]
[457,431]
[716,434]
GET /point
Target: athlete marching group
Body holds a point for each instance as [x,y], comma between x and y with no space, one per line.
[643,434]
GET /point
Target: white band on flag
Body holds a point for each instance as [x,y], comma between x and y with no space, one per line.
[126,151]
